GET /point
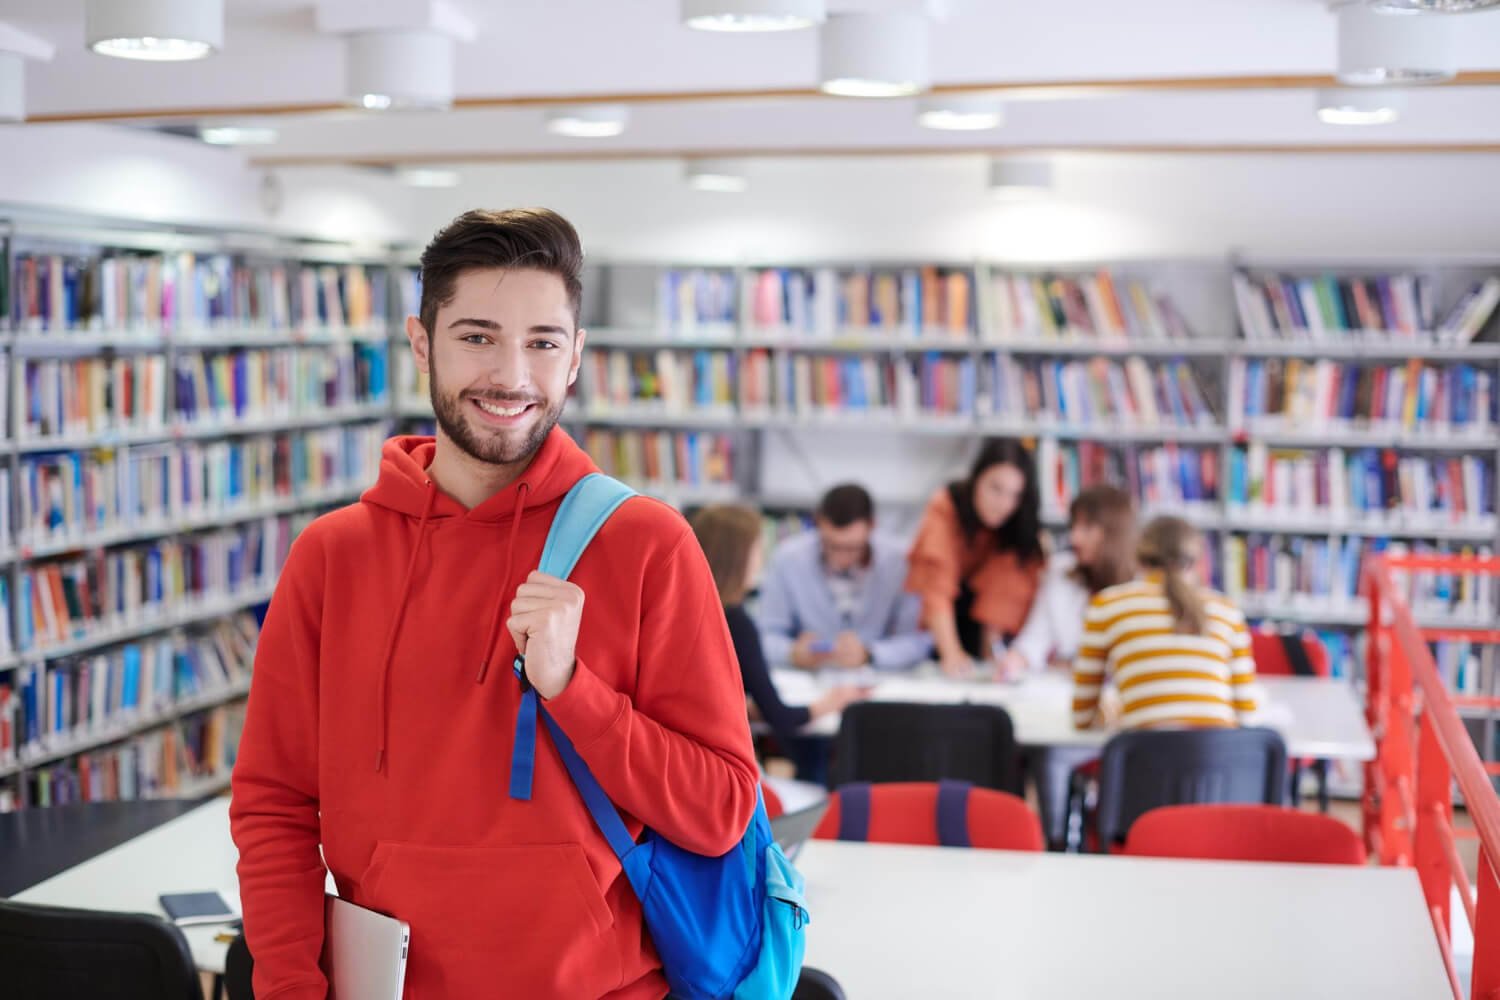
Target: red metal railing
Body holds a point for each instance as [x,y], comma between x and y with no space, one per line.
[1422,749]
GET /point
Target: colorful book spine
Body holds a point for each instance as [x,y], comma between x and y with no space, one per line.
[666,380]
[697,300]
[664,459]
[92,396]
[1329,307]
[1098,392]
[1160,479]
[1100,306]
[1415,396]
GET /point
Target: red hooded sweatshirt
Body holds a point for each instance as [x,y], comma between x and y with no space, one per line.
[382,715]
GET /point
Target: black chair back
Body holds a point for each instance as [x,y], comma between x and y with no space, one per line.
[238,970]
[53,953]
[1141,770]
[897,741]
[815,984]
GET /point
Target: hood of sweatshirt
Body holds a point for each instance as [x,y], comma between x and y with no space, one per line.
[405,488]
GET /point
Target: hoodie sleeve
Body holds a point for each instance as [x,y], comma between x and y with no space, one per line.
[678,757]
[273,814]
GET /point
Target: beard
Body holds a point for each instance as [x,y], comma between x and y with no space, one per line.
[491,446]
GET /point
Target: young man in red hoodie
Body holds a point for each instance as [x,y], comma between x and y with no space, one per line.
[383,706]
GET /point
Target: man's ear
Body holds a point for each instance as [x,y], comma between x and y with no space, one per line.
[421,343]
[578,341]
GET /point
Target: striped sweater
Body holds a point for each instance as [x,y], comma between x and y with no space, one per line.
[1165,679]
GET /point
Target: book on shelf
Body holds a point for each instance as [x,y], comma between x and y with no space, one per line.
[697,300]
[1292,307]
[1467,667]
[664,459]
[1294,392]
[271,383]
[1378,487]
[1131,392]
[1098,306]
[827,302]
[1471,314]
[62,703]
[123,292]
[1170,477]
[67,398]
[668,380]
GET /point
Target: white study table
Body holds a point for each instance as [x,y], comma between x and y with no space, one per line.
[893,923]
[1316,717]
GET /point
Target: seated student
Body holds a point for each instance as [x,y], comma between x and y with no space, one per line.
[730,537]
[1178,652]
[977,558]
[834,596]
[1101,553]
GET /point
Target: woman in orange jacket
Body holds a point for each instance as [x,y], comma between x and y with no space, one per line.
[977,558]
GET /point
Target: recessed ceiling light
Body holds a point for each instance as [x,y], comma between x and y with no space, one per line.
[588,121]
[726,176]
[965,113]
[429,177]
[237,135]
[752,15]
[1020,179]
[1382,47]
[1360,106]
[157,30]
[874,54]
[389,69]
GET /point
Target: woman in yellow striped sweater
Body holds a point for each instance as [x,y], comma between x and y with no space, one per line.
[1179,653]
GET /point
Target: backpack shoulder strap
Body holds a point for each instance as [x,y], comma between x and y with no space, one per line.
[582,513]
[953,813]
[579,517]
[854,811]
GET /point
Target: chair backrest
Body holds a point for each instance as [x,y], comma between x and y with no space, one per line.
[815,984]
[1244,833]
[1269,650]
[1142,770]
[907,813]
[239,971]
[53,953]
[897,741]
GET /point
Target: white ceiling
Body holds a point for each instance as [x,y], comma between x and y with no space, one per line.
[273,56]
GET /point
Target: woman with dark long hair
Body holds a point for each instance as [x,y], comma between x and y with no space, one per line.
[977,558]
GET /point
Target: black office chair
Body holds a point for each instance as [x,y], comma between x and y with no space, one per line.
[815,984]
[1139,771]
[238,969]
[53,953]
[896,741]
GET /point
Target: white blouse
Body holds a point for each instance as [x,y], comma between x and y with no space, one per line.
[1054,625]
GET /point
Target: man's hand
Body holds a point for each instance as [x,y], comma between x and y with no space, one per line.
[849,652]
[803,654]
[544,620]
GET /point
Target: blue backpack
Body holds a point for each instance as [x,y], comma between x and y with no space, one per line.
[726,928]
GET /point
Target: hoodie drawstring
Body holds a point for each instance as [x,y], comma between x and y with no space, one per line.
[390,646]
[510,569]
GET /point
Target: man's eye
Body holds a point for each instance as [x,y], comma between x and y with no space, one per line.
[544,344]
[475,338]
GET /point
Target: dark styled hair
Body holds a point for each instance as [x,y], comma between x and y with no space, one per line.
[533,238]
[727,533]
[845,504]
[1109,508]
[1172,546]
[1022,531]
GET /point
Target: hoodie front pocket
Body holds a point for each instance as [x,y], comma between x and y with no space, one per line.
[524,921]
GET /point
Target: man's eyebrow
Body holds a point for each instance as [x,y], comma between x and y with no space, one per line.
[487,324]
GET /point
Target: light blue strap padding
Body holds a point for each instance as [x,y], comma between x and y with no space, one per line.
[579,517]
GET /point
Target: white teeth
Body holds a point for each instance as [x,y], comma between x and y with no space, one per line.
[501,411]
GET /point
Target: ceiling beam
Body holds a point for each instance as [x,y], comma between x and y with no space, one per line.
[1016,90]
[616,155]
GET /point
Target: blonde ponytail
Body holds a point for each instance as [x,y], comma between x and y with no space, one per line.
[1173,547]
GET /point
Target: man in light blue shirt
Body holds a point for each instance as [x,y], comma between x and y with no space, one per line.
[835,596]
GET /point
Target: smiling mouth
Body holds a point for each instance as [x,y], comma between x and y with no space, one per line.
[498,410]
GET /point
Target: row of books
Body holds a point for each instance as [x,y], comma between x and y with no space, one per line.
[1170,477]
[1097,391]
[72,496]
[1410,395]
[823,302]
[1468,668]
[1089,306]
[82,396]
[690,298]
[61,293]
[665,379]
[1372,485]
[161,763]
[49,706]
[1280,307]
[1297,571]
[663,458]
[92,596]
[278,382]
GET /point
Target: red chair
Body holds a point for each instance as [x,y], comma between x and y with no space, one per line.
[909,812]
[774,807]
[1244,833]
[1275,655]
